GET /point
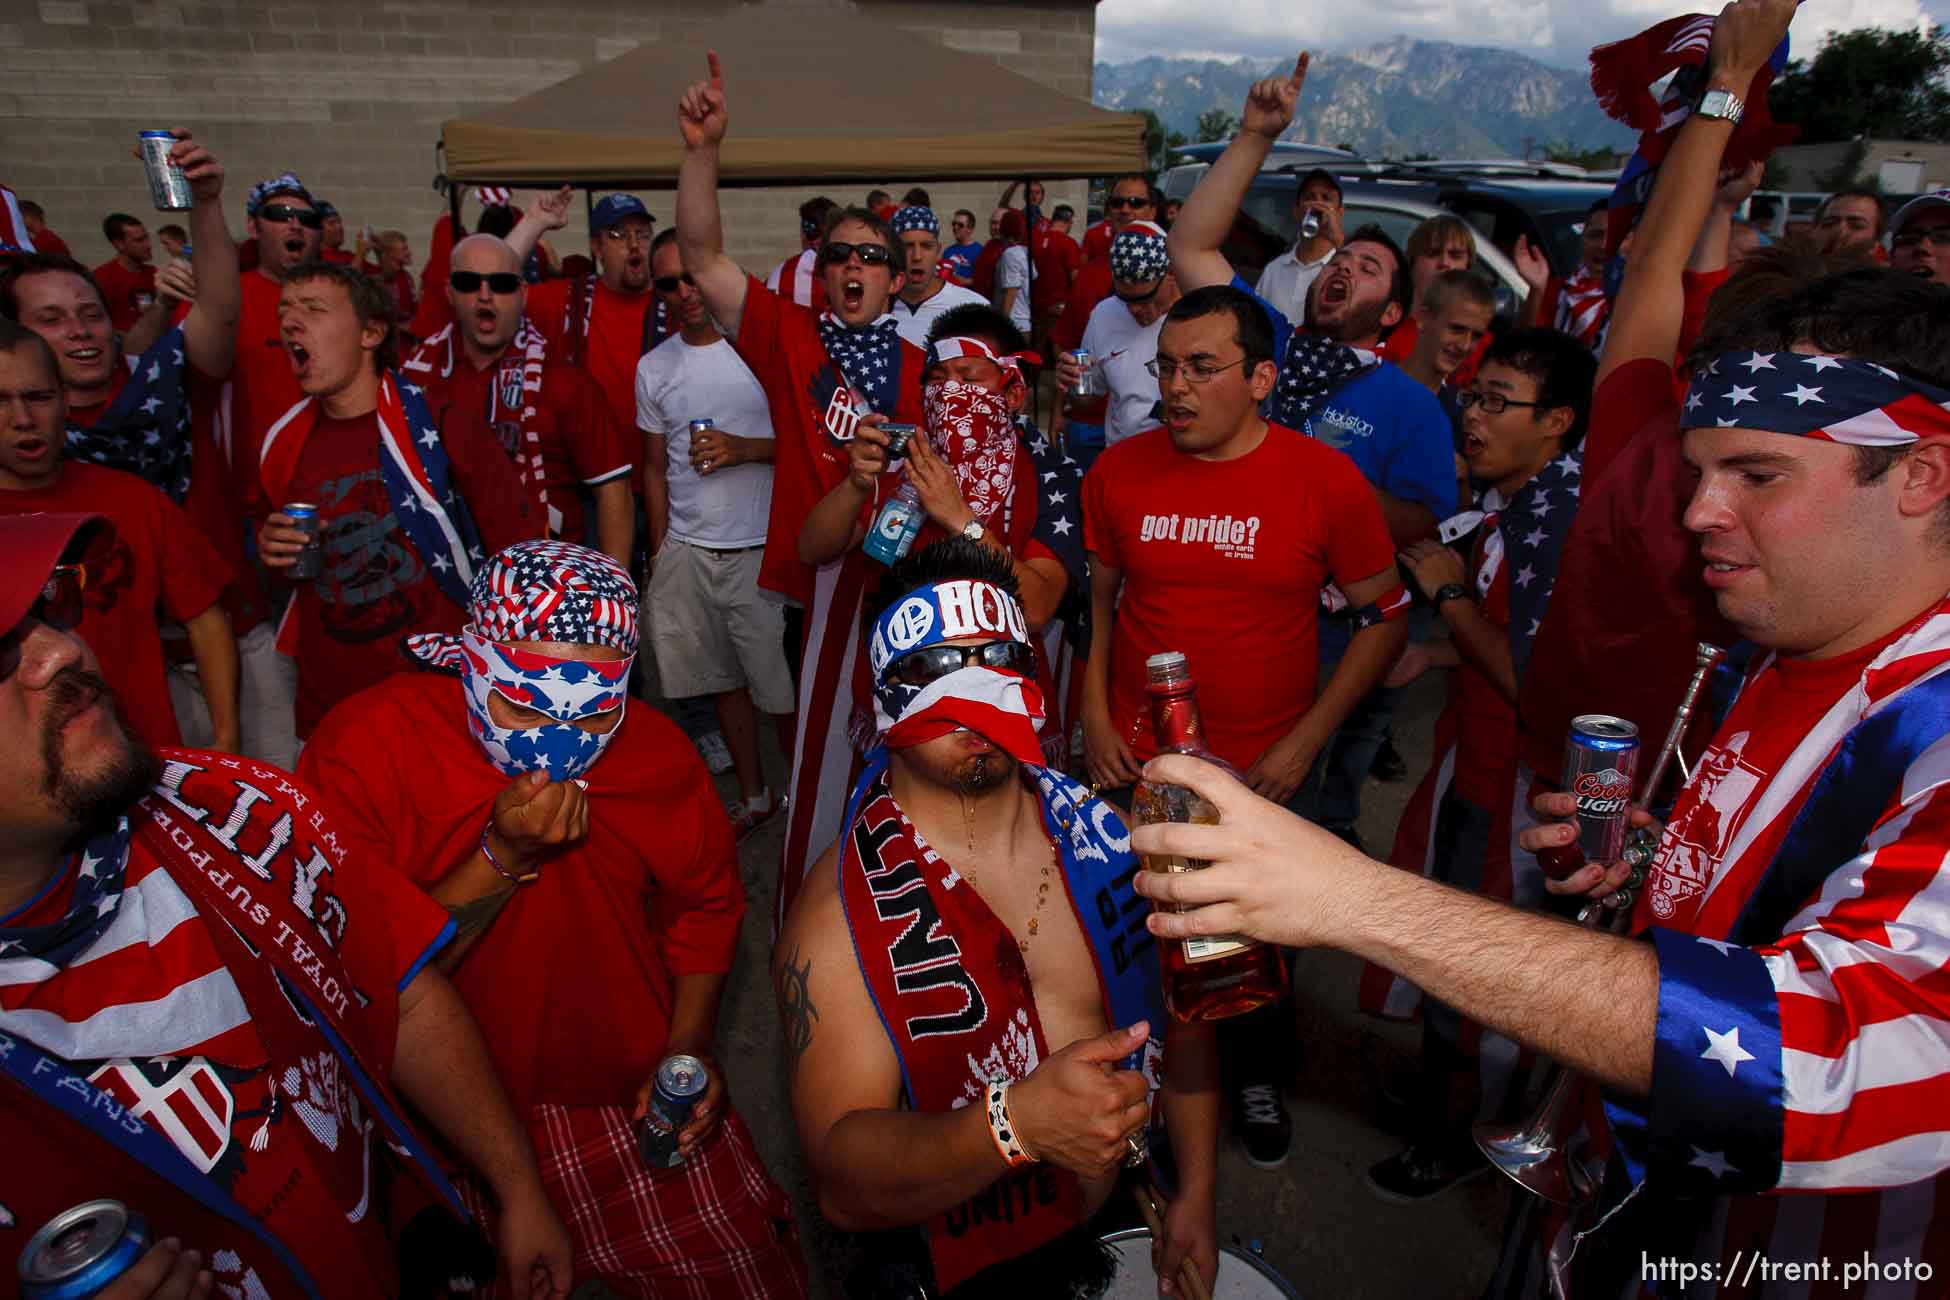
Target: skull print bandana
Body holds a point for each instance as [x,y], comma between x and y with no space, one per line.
[976,434]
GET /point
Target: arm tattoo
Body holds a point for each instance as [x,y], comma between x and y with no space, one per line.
[796,1010]
[471,920]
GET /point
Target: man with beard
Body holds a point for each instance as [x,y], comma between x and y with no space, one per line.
[1919,239]
[1122,339]
[211,1012]
[284,227]
[708,495]
[128,279]
[494,371]
[156,567]
[398,501]
[1216,535]
[1334,386]
[823,375]
[607,321]
[1024,1067]
[923,295]
[517,783]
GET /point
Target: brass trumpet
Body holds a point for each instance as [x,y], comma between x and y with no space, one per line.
[1534,1153]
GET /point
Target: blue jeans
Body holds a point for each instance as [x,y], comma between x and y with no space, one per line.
[1331,794]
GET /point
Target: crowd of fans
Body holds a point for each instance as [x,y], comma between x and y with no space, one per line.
[344,924]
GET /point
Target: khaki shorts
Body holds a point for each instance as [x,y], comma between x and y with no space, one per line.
[713,630]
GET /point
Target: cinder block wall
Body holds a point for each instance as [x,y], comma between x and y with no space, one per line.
[351,95]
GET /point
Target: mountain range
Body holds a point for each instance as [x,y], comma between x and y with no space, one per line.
[1398,99]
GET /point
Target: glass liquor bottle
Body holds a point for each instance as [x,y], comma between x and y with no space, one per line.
[1213,976]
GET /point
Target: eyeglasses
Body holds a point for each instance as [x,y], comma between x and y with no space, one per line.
[1126,201]
[1936,237]
[1164,370]
[669,283]
[618,235]
[937,661]
[471,281]
[281,213]
[1493,403]
[870,254]
[58,606]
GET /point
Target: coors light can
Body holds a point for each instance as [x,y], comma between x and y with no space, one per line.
[1601,764]
[169,188]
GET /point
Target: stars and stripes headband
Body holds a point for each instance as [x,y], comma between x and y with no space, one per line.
[285,183]
[542,591]
[1137,253]
[1816,396]
[961,345]
[915,217]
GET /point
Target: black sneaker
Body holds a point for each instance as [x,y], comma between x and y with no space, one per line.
[1388,765]
[1262,1125]
[1421,1172]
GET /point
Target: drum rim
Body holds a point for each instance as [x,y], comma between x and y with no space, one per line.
[1258,1264]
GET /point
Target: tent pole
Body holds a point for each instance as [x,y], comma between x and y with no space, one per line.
[453,209]
[1029,211]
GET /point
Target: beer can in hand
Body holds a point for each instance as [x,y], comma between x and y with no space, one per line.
[1310,224]
[78,1252]
[1088,380]
[1601,764]
[680,1085]
[169,188]
[304,517]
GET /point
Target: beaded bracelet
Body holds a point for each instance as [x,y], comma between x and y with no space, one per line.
[500,870]
[1002,1126]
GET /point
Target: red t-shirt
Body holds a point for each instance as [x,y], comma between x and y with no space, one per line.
[1399,345]
[127,293]
[621,330]
[780,341]
[1057,261]
[159,569]
[1225,560]
[373,587]
[1630,600]
[1486,730]
[581,443]
[262,385]
[338,255]
[1092,286]
[983,276]
[571,984]
[49,242]
[1096,242]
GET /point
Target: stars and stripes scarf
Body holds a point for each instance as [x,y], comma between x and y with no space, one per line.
[1313,370]
[416,471]
[1623,76]
[868,357]
[1525,535]
[99,869]
[1816,396]
[146,430]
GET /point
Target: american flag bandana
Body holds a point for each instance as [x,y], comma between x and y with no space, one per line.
[566,690]
[1816,396]
[99,871]
[1526,536]
[1003,707]
[1138,254]
[1314,369]
[914,217]
[284,183]
[868,357]
[976,434]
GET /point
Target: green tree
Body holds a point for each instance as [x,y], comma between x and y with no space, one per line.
[1154,140]
[1869,83]
[1847,171]
[1215,124]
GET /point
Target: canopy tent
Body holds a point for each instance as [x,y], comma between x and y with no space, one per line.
[909,110]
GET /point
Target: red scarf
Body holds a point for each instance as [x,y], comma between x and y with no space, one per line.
[517,388]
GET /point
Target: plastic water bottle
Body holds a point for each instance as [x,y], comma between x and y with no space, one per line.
[896,526]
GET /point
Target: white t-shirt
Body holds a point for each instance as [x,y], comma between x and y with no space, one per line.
[1122,349]
[678,382]
[1012,272]
[915,322]
[1285,282]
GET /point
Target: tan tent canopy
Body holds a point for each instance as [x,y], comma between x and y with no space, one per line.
[912,110]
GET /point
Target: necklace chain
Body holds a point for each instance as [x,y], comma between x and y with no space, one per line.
[1042,888]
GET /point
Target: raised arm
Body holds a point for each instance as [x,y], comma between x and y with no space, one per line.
[1646,319]
[701,118]
[544,213]
[210,330]
[1208,214]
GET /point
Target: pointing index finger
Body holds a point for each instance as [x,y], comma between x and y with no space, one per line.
[1300,65]
[717,72]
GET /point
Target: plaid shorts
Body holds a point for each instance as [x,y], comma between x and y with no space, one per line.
[717,1228]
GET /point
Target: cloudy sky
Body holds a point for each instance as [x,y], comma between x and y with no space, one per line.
[1557,31]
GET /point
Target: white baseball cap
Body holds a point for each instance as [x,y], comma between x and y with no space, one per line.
[1920,204]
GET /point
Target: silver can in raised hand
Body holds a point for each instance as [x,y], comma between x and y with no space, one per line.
[169,188]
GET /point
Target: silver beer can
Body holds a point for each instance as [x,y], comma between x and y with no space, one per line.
[168,186]
[304,517]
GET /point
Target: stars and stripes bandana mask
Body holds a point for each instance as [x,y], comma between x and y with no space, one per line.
[1814,396]
[1313,370]
[868,357]
[1005,708]
[542,591]
[1138,255]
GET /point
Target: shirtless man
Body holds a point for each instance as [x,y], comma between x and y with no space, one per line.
[955,1063]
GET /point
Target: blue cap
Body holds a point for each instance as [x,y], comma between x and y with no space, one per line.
[613,208]
[325,210]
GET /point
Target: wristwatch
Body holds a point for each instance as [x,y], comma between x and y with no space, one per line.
[974,531]
[1723,104]
[1447,592]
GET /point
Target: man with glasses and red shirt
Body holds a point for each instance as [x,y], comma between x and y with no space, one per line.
[491,369]
[822,373]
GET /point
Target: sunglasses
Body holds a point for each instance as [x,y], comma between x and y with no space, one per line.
[58,606]
[1125,201]
[937,661]
[471,281]
[669,283]
[870,254]
[282,213]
